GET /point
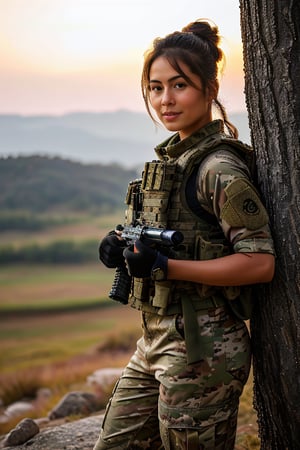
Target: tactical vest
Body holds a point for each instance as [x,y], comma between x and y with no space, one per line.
[164,204]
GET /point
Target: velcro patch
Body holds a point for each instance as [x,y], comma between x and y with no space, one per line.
[243,207]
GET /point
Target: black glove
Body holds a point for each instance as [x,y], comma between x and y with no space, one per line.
[111,250]
[147,262]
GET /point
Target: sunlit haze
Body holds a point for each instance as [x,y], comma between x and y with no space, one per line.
[60,56]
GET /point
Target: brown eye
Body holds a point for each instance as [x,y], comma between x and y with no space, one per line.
[180,85]
[155,88]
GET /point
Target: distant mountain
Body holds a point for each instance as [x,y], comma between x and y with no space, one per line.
[122,137]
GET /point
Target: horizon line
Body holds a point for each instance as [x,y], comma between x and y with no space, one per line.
[93,112]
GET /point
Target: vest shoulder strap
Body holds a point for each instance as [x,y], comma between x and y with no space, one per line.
[191,160]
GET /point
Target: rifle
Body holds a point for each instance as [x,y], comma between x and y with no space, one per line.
[150,235]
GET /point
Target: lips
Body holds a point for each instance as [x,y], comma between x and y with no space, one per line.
[170,115]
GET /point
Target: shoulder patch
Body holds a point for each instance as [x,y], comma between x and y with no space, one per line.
[243,207]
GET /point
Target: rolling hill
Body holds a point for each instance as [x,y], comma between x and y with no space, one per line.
[122,137]
[42,184]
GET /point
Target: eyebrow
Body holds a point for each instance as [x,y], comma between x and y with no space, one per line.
[169,80]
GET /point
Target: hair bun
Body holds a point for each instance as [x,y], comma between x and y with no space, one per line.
[207,32]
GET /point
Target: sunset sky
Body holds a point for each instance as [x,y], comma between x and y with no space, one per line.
[60,56]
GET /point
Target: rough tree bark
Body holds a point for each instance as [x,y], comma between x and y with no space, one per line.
[270,34]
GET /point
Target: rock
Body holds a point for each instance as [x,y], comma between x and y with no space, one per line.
[74,403]
[24,407]
[103,379]
[15,410]
[24,431]
[42,421]
[78,435]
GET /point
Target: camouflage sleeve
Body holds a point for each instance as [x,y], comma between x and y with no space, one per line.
[225,190]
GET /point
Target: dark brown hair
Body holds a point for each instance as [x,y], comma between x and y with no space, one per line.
[197,46]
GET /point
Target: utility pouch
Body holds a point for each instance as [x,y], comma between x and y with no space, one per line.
[157,183]
[162,294]
[242,306]
[141,289]
[134,201]
[158,176]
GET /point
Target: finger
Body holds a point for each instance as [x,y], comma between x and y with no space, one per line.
[139,246]
[127,252]
[115,240]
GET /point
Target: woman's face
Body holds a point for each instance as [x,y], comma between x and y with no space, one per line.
[179,105]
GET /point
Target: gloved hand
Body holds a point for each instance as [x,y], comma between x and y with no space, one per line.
[146,262]
[111,250]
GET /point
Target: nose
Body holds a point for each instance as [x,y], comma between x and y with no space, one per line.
[167,97]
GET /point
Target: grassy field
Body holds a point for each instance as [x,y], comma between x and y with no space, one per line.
[39,321]
[77,228]
[49,286]
[57,325]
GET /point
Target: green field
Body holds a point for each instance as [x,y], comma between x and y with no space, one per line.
[57,326]
[37,302]
[42,287]
[50,313]
[77,227]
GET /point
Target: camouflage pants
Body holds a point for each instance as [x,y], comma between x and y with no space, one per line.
[160,402]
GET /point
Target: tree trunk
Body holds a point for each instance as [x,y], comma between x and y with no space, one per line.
[271,42]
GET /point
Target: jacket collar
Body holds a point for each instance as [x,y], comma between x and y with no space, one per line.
[173,147]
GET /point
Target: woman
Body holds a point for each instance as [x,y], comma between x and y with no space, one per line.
[182,386]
